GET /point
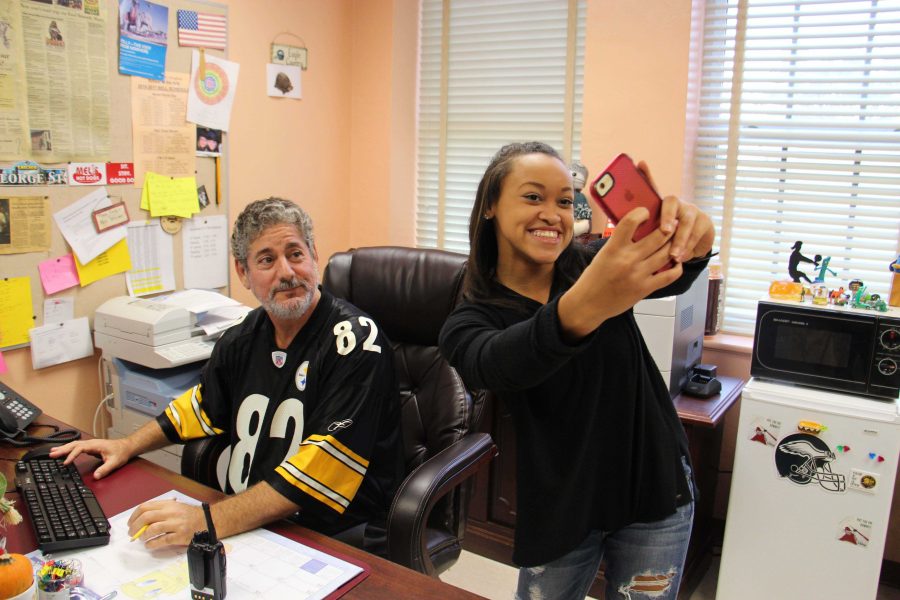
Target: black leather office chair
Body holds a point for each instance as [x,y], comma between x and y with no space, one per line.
[410,292]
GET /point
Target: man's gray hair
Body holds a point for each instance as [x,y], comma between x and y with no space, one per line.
[262,214]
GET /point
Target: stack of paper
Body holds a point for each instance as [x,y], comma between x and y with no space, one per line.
[215,312]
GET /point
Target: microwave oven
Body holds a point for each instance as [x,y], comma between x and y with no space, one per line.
[834,348]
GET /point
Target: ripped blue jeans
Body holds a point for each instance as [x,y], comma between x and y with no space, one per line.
[643,561]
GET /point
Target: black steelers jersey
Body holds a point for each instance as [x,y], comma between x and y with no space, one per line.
[319,421]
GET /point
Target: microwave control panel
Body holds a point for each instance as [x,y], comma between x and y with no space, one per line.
[886,367]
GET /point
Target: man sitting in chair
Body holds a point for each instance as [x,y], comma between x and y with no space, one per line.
[305,390]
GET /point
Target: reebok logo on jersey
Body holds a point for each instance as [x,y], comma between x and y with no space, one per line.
[340,425]
[279,358]
[300,376]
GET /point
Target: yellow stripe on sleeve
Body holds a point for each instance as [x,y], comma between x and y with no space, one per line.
[314,489]
[332,441]
[187,416]
[325,469]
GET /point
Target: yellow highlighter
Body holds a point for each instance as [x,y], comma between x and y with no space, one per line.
[139,533]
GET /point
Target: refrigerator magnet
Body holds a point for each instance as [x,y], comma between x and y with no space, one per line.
[765,431]
[855,531]
[811,427]
[864,481]
[804,459]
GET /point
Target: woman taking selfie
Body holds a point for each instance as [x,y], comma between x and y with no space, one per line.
[602,463]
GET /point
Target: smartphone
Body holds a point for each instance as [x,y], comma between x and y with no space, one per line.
[620,188]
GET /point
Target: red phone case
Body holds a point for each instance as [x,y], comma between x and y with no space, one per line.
[621,188]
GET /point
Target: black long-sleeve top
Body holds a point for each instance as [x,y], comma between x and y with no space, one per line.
[599,443]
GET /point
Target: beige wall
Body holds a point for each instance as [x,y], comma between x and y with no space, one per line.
[346,152]
[635,78]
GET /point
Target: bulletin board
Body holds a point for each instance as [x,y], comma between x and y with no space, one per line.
[178,59]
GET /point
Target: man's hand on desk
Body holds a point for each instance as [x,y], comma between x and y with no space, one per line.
[166,523]
[175,523]
[114,453]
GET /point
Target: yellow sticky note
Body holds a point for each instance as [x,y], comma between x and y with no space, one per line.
[16,312]
[115,260]
[176,196]
[145,194]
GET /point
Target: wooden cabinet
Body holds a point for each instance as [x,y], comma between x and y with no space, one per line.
[492,513]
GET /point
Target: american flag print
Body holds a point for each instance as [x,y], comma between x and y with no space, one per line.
[202,30]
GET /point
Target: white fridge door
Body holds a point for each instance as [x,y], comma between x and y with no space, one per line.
[810,495]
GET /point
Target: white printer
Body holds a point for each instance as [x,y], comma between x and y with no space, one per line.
[673,329]
[150,333]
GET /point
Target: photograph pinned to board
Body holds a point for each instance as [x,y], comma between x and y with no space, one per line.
[143,38]
[202,196]
[4,221]
[211,94]
[283,81]
[209,141]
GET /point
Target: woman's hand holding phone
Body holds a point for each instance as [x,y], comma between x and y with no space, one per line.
[624,186]
[652,237]
[622,273]
[694,230]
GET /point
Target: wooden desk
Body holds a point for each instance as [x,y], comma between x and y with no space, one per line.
[141,480]
[492,514]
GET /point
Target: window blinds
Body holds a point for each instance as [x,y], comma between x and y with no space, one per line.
[490,73]
[796,112]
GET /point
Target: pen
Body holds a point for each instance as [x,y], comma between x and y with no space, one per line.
[218,181]
[139,533]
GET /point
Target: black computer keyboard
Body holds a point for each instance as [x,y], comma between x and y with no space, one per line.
[64,513]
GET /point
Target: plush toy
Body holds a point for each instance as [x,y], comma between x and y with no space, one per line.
[583,212]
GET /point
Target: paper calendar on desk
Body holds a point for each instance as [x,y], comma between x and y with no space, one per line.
[260,564]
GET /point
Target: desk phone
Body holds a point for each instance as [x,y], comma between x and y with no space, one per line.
[16,413]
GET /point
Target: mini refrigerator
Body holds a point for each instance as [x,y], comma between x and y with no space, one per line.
[810,495]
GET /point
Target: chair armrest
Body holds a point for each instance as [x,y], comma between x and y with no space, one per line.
[200,457]
[423,488]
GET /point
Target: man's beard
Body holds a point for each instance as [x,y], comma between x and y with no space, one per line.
[292,308]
